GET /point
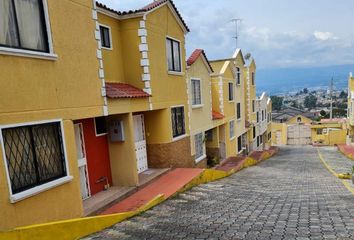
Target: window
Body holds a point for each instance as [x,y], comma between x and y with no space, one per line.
[232,129]
[231,91]
[100,126]
[253,106]
[106,37]
[299,119]
[254,132]
[319,131]
[261,139]
[257,116]
[262,115]
[238,76]
[238,110]
[173,55]
[199,146]
[178,128]
[269,135]
[258,141]
[196,92]
[209,135]
[23,25]
[253,78]
[239,143]
[34,155]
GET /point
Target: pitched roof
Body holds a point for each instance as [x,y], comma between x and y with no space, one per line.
[145,9]
[217,115]
[222,64]
[124,90]
[195,55]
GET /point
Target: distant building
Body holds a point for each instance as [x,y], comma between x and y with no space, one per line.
[287,113]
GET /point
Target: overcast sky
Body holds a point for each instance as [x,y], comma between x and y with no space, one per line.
[278,33]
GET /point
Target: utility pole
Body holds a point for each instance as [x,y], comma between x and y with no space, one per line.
[237,22]
[331,99]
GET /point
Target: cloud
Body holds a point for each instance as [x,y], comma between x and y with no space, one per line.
[323,36]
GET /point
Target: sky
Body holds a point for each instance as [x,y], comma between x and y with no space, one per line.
[277,33]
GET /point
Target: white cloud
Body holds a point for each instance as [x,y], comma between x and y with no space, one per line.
[324,36]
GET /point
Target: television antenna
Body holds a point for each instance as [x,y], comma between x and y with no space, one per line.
[237,22]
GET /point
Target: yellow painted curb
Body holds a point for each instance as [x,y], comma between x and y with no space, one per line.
[74,228]
[345,183]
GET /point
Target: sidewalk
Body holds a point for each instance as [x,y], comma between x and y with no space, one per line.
[347,150]
[167,185]
[339,163]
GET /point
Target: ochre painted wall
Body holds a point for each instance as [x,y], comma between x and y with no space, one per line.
[282,129]
[59,203]
[294,120]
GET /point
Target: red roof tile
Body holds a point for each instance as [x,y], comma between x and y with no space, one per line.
[124,90]
[195,55]
[217,115]
[147,8]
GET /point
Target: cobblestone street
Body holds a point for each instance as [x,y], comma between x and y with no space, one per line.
[290,196]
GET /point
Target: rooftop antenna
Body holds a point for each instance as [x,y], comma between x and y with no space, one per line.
[237,22]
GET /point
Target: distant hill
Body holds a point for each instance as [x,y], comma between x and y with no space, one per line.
[285,80]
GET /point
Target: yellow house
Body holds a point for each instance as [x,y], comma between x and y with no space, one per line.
[329,132]
[268,140]
[200,107]
[49,80]
[350,122]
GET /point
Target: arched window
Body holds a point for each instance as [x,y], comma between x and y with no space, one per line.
[299,119]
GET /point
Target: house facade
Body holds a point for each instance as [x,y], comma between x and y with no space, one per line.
[350,122]
[44,95]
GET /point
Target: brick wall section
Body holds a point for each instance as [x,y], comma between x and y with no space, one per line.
[172,155]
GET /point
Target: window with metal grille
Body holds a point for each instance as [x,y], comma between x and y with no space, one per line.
[238,76]
[106,41]
[232,129]
[196,92]
[173,55]
[239,143]
[238,110]
[23,25]
[178,127]
[34,155]
[231,91]
[199,145]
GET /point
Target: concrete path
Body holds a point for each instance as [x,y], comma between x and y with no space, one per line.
[335,160]
[290,196]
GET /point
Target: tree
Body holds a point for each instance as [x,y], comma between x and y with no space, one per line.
[294,104]
[342,94]
[323,113]
[306,91]
[310,101]
[277,102]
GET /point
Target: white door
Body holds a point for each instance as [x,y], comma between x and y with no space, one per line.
[140,143]
[82,162]
[222,144]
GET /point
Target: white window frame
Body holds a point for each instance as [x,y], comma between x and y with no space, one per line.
[203,156]
[232,137]
[44,187]
[233,91]
[238,81]
[201,96]
[110,36]
[101,134]
[180,52]
[32,53]
[239,118]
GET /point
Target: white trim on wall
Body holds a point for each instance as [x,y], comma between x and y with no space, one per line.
[40,188]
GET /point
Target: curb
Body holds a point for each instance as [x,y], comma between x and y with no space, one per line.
[81,227]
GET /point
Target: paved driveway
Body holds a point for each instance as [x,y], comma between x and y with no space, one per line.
[290,196]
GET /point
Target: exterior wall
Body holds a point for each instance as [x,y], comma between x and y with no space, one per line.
[122,154]
[97,155]
[217,92]
[294,120]
[64,87]
[335,134]
[282,129]
[46,206]
[201,117]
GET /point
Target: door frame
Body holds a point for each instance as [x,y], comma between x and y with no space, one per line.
[84,164]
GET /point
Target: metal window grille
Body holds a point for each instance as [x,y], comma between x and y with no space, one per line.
[177,115]
[199,148]
[34,155]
